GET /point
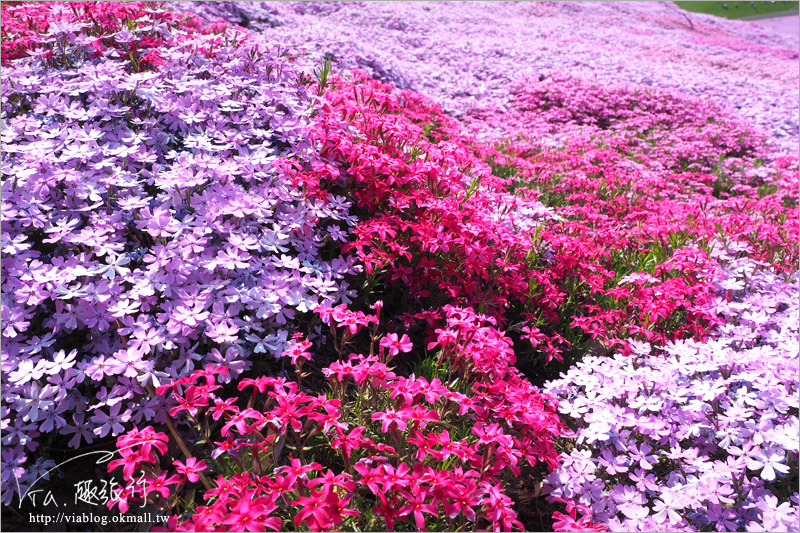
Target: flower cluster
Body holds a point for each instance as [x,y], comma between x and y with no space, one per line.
[692,436]
[644,181]
[633,262]
[28,29]
[152,221]
[408,449]
[194,233]
[664,129]
[468,60]
[434,219]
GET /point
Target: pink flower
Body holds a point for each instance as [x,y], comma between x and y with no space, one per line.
[389,418]
[416,506]
[252,514]
[160,484]
[312,509]
[121,497]
[191,468]
[349,442]
[297,350]
[297,470]
[395,345]
[325,314]
[420,415]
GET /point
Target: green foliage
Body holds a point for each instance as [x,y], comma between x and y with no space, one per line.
[737,10]
[767,189]
[322,75]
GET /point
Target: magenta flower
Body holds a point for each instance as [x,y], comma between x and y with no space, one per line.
[416,506]
[396,345]
[190,469]
[252,514]
[390,418]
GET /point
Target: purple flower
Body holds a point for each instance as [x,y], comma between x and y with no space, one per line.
[769,462]
[128,364]
[666,508]
[642,455]
[716,489]
[231,360]
[614,464]
[112,422]
[630,501]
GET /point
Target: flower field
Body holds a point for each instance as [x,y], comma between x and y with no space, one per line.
[306,266]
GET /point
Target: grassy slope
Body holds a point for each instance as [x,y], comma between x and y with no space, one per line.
[737,10]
